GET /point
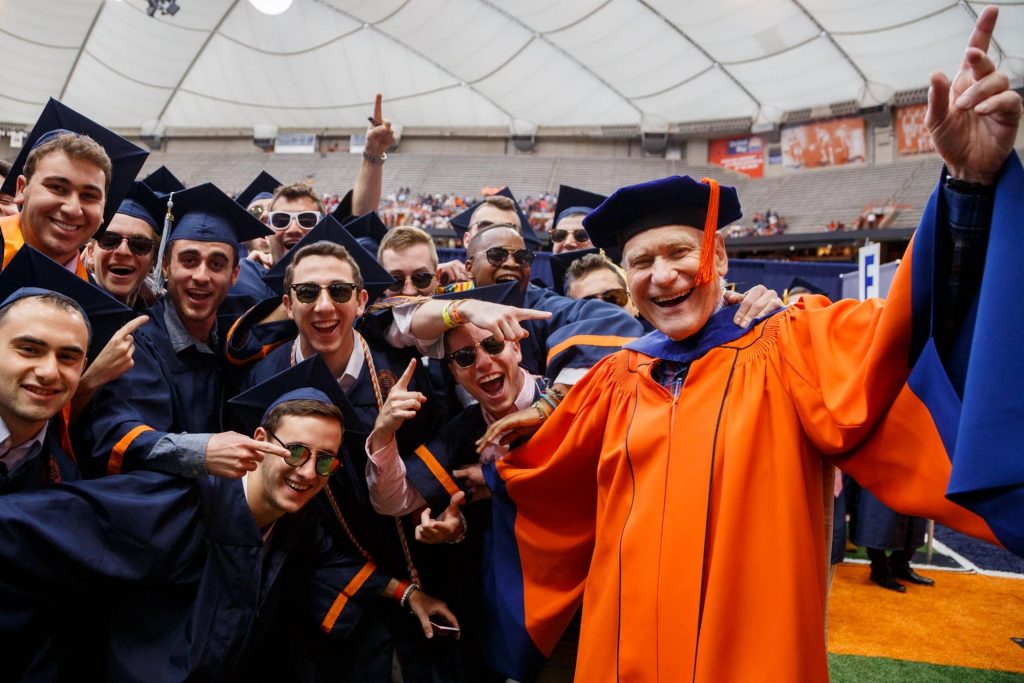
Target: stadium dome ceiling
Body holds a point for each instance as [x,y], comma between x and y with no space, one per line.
[477,63]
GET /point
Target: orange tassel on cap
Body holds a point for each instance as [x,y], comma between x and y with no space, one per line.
[706,271]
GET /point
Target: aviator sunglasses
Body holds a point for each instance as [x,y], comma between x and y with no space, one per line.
[327,463]
[466,356]
[307,220]
[619,297]
[139,246]
[579,234]
[419,281]
[498,255]
[308,292]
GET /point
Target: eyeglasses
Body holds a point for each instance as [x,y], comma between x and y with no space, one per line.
[307,220]
[480,225]
[498,255]
[579,234]
[327,463]
[139,246]
[256,210]
[308,292]
[466,356]
[420,280]
[619,297]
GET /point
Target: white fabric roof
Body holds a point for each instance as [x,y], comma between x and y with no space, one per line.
[459,63]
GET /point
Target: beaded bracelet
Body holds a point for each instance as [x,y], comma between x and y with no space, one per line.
[465,529]
[404,602]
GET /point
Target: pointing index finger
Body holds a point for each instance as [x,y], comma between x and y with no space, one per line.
[981,36]
[403,382]
[378,117]
[132,325]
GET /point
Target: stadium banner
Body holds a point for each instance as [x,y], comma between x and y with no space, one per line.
[295,143]
[824,143]
[742,154]
[912,136]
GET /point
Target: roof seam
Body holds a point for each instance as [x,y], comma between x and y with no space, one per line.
[566,54]
[710,67]
[835,44]
[286,107]
[901,24]
[579,20]
[38,43]
[81,49]
[289,54]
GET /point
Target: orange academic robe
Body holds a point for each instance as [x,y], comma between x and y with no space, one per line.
[10,226]
[693,526]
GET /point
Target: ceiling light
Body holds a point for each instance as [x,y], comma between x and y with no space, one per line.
[271,7]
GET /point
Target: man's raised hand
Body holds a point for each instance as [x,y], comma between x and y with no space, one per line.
[974,119]
[401,405]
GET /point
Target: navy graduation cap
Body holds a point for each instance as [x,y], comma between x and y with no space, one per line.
[343,211]
[126,159]
[205,214]
[30,273]
[310,379]
[676,200]
[368,230]
[162,181]
[573,201]
[560,266]
[262,187]
[375,278]
[505,293]
[460,223]
[800,283]
[146,205]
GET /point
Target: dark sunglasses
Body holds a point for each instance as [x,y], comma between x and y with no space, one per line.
[579,234]
[419,281]
[139,246]
[466,356]
[307,220]
[619,297]
[498,255]
[298,454]
[308,292]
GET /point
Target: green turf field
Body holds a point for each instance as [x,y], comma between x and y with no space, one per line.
[854,669]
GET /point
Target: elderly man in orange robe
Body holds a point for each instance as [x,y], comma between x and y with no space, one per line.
[677,490]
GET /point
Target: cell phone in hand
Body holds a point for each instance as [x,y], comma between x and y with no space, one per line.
[442,627]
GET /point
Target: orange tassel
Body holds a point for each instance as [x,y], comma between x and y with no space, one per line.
[706,271]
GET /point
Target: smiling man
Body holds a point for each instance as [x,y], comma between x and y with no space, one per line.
[659,485]
[67,180]
[164,412]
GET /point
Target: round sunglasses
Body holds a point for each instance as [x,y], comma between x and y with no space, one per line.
[618,296]
[466,356]
[308,292]
[498,255]
[138,246]
[307,220]
[579,234]
[327,463]
[420,280]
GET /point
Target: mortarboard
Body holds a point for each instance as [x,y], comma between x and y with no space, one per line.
[146,205]
[262,187]
[560,266]
[310,379]
[368,230]
[126,159]
[801,283]
[162,181]
[205,214]
[375,278]
[573,201]
[343,211]
[676,200]
[460,223]
[505,293]
[30,273]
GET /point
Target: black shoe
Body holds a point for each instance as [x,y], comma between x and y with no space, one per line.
[910,575]
[889,583]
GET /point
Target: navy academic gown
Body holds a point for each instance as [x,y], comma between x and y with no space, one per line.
[164,392]
[182,572]
[579,333]
[51,465]
[384,627]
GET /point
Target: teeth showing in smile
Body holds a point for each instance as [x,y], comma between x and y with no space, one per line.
[325,328]
[199,294]
[294,486]
[493,383]
[40,391]
[64,226]
[672,299]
